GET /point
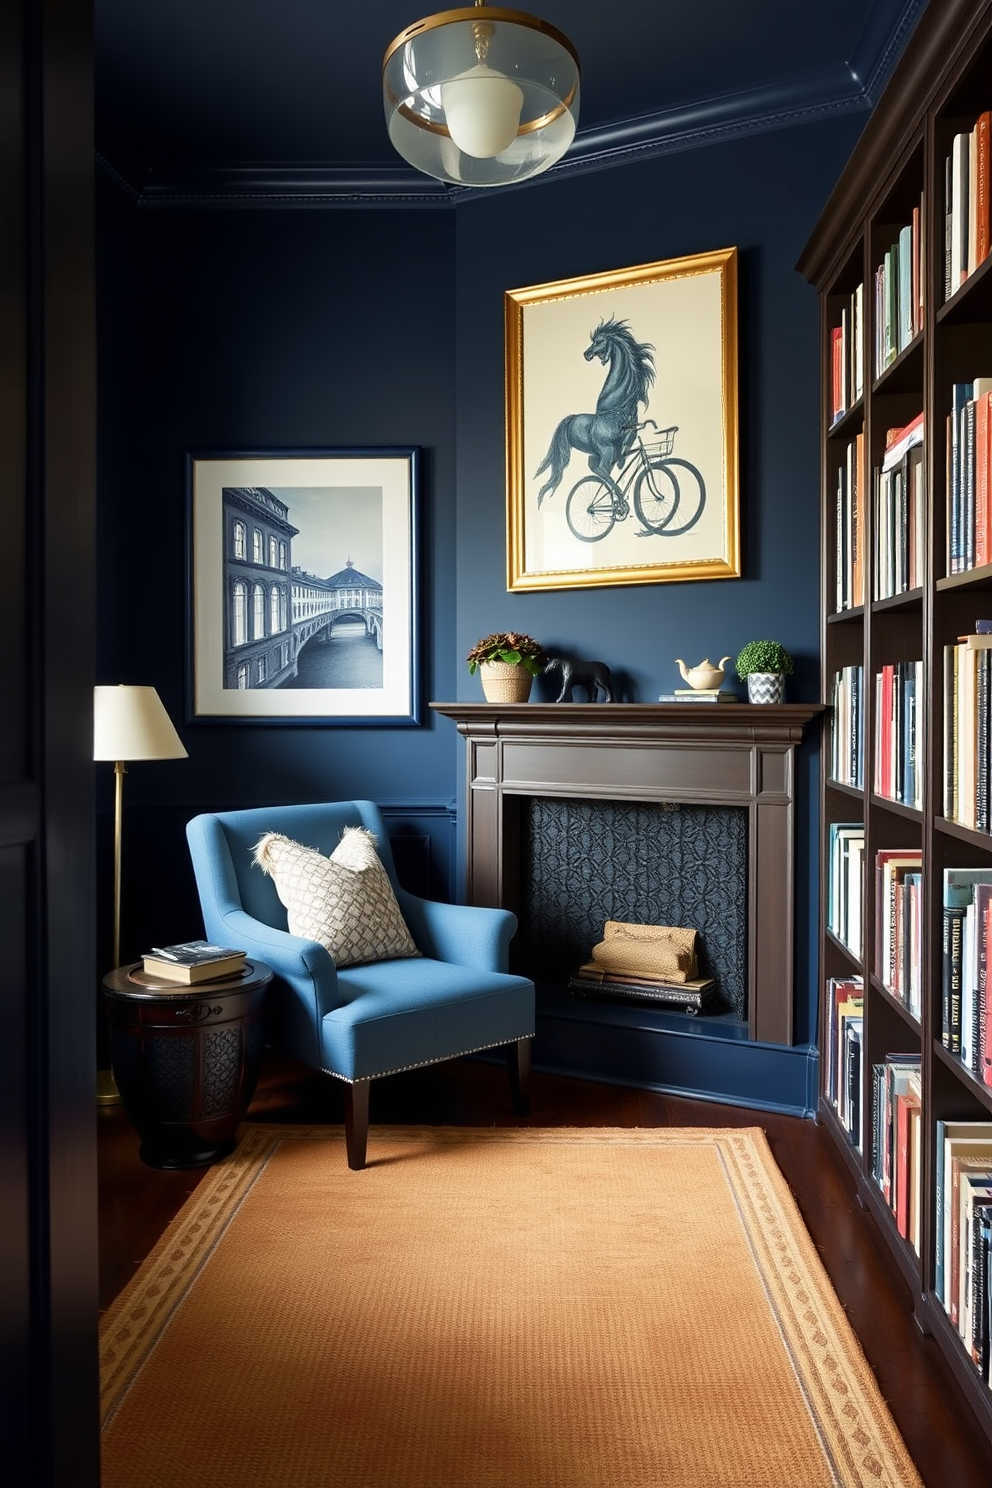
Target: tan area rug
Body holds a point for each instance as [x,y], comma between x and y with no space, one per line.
[564,1308]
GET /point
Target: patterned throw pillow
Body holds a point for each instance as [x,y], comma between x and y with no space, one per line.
[346,901]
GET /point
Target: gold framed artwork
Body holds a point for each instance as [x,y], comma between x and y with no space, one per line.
[622,426]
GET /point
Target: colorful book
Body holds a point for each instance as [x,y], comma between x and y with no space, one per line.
[951,1135]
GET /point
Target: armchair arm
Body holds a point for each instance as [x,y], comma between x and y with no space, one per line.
[461,934]
[304,967]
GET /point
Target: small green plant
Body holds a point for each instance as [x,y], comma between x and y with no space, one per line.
[511,646]
[763,656]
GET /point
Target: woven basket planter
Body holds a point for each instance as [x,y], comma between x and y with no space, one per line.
[766,687]
[505,682]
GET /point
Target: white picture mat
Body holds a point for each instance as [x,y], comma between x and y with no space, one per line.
[390,478]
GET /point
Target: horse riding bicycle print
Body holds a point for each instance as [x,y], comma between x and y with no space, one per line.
[621,407]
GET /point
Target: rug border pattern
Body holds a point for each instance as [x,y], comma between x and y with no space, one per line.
[857,1434]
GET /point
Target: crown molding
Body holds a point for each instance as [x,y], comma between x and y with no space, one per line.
[853,87]
[277,186]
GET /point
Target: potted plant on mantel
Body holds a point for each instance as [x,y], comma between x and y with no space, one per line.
[507,662]
[765,664]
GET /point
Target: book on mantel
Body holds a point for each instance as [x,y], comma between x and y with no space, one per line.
[192,961]
[699,695]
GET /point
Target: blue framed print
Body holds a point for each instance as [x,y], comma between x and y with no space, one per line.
[302,592]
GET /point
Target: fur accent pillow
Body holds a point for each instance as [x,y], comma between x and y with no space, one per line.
[346,901]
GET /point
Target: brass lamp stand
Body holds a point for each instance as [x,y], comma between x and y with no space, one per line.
[129,723]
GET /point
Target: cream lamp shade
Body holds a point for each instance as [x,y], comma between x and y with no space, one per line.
[130,723]
[481,95]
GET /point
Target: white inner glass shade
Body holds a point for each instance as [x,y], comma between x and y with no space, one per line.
[482,108]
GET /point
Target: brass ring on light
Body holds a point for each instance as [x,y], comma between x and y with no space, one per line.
[407,113]
[473,13]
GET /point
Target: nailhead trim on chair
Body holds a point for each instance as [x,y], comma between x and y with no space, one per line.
[423,1063]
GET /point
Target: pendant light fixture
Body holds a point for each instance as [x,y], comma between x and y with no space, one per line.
[481,96]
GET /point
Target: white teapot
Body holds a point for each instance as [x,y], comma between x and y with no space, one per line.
[705,675]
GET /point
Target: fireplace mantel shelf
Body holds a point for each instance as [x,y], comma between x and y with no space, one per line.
[749,722]
[731,754]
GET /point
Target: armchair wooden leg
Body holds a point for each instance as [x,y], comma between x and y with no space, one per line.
[518,1060]
[356,1122]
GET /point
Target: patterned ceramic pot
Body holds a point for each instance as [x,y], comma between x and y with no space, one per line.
[766,687]
[505,682]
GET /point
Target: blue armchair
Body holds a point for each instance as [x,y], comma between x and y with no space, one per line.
[359,1022]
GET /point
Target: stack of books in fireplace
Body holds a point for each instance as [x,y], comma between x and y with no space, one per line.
[653,962]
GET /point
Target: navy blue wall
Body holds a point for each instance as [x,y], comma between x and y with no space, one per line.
[763,195]
[258,329]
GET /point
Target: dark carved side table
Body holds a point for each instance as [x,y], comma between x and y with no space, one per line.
[186,1059]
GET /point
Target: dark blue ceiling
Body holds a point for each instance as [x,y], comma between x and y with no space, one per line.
[201,97]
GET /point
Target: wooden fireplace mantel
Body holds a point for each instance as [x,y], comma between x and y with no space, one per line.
[731,754]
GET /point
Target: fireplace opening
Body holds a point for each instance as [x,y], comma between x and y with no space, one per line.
[586,861]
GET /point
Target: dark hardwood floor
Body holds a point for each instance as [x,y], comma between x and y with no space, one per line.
[950,1451]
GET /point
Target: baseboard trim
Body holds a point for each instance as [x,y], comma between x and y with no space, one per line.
[594,1044]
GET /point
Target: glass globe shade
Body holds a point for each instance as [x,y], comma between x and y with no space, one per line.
[481,96]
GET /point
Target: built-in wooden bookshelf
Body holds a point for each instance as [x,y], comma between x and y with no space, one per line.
[907,572]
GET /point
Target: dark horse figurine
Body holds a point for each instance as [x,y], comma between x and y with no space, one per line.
[607,435]
[594,676]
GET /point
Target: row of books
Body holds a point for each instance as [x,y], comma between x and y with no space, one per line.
[899,713]
[969,475]
[847,356]
[963,1233]
[899,511]
[968,731]
[847,733]
[897,1145]
[898,925]
[899,292]
[842,1051]
[966,204]
[850,566]
[845,883]
[963,1167]
[967,948]
[900,502]
[898,949]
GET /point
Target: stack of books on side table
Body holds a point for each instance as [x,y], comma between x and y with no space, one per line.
[700,695]
[192,961]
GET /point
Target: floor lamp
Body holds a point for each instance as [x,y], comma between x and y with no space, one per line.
[129,723]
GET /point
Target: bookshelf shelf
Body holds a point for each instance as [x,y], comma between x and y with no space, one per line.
[897,808]
[846,790]
[981,840]
[906,496]
[898,1007]
[905,374]
[973,301]
[979,1092]
[848,423]
[852,957]
[977,579]
[912,599]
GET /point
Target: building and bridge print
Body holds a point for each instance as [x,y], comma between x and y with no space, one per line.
[284,627]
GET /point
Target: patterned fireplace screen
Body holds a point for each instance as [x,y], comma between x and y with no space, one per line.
[587,861]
